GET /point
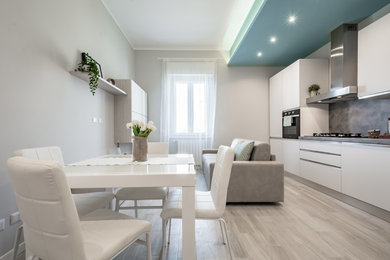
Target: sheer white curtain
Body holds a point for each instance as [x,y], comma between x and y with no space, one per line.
[188,106]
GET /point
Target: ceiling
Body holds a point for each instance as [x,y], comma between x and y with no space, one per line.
[239,28]
[315,19]
[172,24]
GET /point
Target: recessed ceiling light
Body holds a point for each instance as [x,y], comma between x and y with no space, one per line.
[292,19]
[272,39]
[259,54]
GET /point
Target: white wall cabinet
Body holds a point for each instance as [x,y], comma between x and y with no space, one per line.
[291,156]
[366,174]
[291,86]
[289,90]
[128,108]
[277,149]
[374,58]
[275,105]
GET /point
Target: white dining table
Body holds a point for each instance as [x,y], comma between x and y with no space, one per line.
[173,170]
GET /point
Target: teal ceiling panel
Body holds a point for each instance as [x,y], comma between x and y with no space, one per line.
[315,19]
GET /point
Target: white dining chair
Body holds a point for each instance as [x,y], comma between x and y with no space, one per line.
[86,200]
[52,228]
[143,193]
[209,205]
[158,148]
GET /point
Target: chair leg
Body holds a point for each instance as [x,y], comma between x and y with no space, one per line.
[164,237]
[169,231]
[227,237]
[19,232]
[149,248]
[135,209]
[222,232]
[117,205]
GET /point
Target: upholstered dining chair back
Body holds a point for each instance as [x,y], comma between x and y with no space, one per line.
[50,220]
[221,177]
[49,153]
[157,148]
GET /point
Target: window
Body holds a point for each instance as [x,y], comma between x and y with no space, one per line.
[190,108]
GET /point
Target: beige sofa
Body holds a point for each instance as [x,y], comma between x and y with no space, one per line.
[261,179]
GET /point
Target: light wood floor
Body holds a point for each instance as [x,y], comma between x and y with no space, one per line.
[308,225]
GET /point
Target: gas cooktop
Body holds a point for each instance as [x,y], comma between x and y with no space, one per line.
[341,135]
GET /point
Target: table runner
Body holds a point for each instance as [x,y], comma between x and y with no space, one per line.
[128,160]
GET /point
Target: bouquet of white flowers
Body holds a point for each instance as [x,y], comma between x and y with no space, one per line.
[140,128]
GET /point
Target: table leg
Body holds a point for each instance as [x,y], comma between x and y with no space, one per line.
[188,223]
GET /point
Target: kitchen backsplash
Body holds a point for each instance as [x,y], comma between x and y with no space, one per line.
[359,116]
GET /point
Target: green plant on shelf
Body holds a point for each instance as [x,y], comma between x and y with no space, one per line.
[90,66]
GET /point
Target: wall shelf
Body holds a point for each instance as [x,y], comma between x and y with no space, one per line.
[102,83]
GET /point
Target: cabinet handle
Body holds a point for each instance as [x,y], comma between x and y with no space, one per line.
[338,167]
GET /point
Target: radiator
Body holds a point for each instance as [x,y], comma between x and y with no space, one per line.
[192,146]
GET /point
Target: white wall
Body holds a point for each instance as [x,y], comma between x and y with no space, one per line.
[40,102]
[242,94]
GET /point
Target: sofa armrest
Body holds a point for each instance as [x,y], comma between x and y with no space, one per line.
[257,163]
[209,151]
[256,181]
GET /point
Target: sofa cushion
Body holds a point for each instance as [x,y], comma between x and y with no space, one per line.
[243,150]
[235,142]
[261,152]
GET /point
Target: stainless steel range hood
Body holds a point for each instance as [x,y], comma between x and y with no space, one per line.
[343,66]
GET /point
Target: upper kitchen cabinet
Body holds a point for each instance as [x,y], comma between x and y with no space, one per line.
[275,106]
[290,86]
[128,108]
[299,76]
[289,90]
[374,58]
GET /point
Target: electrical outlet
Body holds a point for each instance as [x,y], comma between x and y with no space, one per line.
[2,224]
[14,218]
[94,119]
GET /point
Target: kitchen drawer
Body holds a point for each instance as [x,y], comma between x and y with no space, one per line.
[325,158]
[324,175]
[321,146]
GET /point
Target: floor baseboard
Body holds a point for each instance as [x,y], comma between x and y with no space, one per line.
[9,255]
[370,209]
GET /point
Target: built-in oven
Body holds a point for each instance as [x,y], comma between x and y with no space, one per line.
[291,124]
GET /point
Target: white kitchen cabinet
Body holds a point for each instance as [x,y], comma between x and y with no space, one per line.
[291,155]
[297,78]
[321,162]
[366,174]
[277,148]
[290,83]
[275,106]
[289,90]
[374,58]
[128,108]
[325,175]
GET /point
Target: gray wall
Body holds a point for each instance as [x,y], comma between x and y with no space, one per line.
[359,116]
[41,104]
[242,94]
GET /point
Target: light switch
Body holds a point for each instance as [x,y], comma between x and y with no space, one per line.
[94,120]
[14,218]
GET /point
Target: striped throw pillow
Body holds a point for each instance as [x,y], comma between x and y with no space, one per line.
[243,150]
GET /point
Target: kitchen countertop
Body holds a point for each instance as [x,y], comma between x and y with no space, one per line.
[362,140]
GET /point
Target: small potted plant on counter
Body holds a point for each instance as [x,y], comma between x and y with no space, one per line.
[313,90]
